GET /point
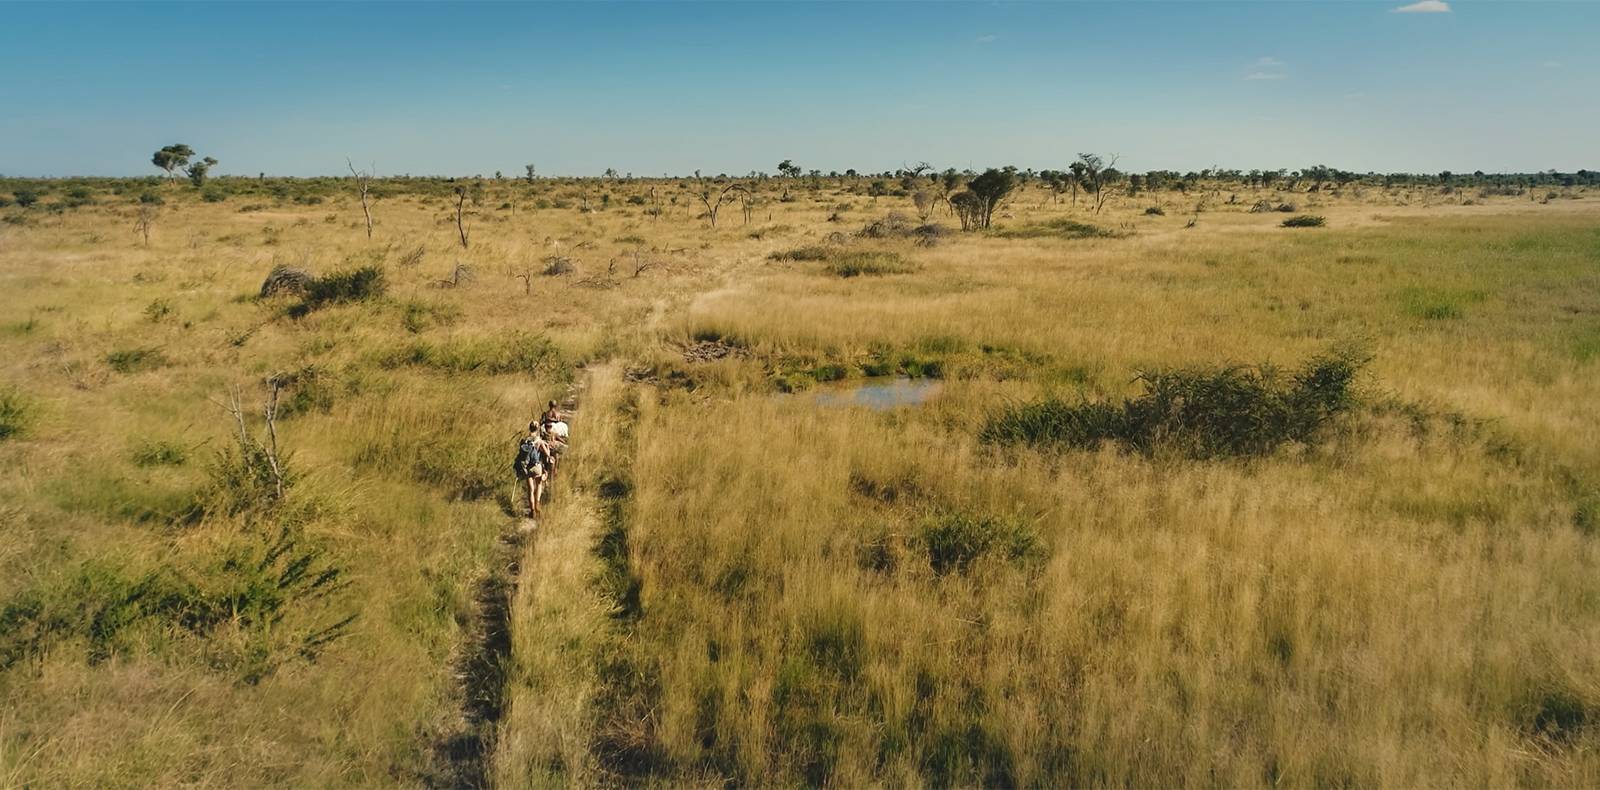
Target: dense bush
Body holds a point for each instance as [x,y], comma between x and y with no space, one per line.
[1208,413]
[1304,221]
[355,285]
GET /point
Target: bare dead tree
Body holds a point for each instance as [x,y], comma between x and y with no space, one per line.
[143,221]
[748,203]
[251,446]
[713,199]
[461,205]
[363,185]
[462,273]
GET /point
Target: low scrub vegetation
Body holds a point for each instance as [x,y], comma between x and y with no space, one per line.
[1207,413]
[858,263]
[356,285]
[136,360]
[1304,221]
[1063,228]
[517,352]
[848,262]
[16,413]
[249,591]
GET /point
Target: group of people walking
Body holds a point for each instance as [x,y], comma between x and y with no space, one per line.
[538,455]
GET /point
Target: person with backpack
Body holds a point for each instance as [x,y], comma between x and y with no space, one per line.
[533,466]
[555,435]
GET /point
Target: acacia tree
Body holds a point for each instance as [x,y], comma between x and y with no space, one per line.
[983,195]
[198,171]
[172,157]
[1098,177]
[529,168]
[788,169]
[363,188]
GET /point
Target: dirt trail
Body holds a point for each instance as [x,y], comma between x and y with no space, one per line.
[462,754]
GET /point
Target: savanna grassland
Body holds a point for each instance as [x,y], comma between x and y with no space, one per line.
[1197,498]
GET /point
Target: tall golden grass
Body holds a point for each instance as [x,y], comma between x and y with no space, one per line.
[742,585]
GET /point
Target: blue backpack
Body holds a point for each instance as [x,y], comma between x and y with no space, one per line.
[530,456]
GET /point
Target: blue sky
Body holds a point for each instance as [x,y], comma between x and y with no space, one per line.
[457,89]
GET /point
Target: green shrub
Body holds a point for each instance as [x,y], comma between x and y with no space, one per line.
[16,414]
[244,481]
[156,452]
[955,541]
[251,586]
[308,389]
[1208,413]
[25,197]
[136,360]
[830,372]
[158,310]
[1559,716]
[355,285]
[1304,221]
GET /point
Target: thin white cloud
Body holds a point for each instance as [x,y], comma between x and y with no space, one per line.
[1552,64]
[1424,7]
[1268,62]
[987,39]
[1263,75]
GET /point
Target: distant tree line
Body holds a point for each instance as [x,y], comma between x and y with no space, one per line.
[972,196]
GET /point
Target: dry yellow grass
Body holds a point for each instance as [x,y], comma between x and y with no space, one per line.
[736,585]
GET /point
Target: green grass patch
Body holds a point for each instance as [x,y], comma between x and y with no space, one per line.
[859,263]
[1062,228]
[1438,304]
[956,541]
[136,360]
[519,352]
[841,262]
[1586,345]
[157,452]
[16,414]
